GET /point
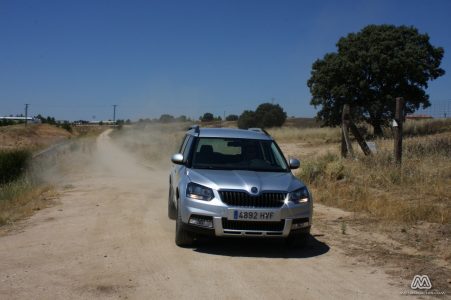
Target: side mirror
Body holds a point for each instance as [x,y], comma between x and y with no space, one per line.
[177,159]
[294,163]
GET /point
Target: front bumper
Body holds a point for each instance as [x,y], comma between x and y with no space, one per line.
[290,214]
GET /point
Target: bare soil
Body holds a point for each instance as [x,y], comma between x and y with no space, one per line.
[108,237]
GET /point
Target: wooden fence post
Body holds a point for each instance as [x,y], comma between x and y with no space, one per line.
[345,120]
[397,124]
[363,145]
[344,148]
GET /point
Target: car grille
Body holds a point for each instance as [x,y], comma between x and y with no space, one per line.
[244,199]
[252,225]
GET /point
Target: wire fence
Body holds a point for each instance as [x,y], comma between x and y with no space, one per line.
[438,109]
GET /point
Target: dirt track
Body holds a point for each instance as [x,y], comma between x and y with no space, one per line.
[109,237]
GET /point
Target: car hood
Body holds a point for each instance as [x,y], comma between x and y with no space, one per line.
[245,180]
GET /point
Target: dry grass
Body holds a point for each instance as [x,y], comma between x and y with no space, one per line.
[20,199]
[305,132]
[33,137]
[426,127]
[310,135]
[417,191]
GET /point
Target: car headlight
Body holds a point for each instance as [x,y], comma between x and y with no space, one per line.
[199,192]
[300,196]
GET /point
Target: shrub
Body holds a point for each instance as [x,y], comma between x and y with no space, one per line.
[232,118]
[67,126]
[12,164]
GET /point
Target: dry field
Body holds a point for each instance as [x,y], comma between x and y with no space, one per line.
[405,211]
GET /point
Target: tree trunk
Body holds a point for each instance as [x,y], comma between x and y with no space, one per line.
[377,128]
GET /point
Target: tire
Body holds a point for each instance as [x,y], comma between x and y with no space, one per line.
[298,241]
[183,238]
[172,211]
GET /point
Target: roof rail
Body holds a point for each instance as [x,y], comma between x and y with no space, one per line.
[196,128]
[259,130]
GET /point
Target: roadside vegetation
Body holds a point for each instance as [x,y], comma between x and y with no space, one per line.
[27,184]
[13,164]
[418,190]
[20,192]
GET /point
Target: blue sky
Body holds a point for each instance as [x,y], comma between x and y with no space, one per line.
[75,59]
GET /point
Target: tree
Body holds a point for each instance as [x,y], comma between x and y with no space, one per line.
[370,69]
[207,117]
[165,118]
[266,115]
[232,118]
[181,118]
[270,115]
[247,119]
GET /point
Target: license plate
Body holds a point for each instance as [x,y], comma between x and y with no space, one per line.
[253,215]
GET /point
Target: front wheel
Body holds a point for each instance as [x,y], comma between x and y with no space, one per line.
[172,211]
[183,238]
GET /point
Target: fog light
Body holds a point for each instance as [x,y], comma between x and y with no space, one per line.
[299,225]
[201,221]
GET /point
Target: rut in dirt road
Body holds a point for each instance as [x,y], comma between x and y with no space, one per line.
[109,237]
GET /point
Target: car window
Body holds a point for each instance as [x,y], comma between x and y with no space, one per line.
[238,154]
[188,144]
[182,146]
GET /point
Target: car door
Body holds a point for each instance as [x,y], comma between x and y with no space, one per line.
[179,170]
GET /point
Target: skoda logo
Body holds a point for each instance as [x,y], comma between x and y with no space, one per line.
[254,190]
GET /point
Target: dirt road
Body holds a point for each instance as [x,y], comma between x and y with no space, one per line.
[109,237]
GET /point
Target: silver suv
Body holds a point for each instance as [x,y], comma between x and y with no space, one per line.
[236,183]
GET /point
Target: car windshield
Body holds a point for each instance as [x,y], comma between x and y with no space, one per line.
[238,154]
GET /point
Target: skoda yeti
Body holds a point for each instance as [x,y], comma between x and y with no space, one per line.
[236,183]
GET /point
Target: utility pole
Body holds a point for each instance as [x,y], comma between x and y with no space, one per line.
[114,113]
[26,114]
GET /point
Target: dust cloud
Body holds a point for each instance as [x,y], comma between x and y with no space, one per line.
[130,151]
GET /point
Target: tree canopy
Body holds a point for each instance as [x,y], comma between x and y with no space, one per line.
[207,117]
[370,69]
[266,115]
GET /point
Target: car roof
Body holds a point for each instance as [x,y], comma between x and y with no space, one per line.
[231,133]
